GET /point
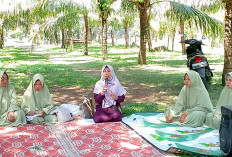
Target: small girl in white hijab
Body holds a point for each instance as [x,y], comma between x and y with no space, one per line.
[108,94]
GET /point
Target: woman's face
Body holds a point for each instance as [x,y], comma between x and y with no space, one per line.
[106,73]
[38,85]
[187,81]
[228,81]
[4,80]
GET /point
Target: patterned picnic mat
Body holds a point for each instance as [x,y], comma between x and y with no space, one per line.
[152,127]
[73,139]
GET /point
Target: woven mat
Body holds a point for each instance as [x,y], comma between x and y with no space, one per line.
[73,139]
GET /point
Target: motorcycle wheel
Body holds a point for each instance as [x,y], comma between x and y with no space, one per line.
[204,82]
[208,75]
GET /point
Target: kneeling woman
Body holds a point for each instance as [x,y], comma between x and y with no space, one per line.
[108,94]
[193,103]
[10,113]
[37,100]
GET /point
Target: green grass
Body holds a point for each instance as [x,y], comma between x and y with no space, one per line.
[123,61]
[11,55]
[125,65]
[141,107]
[55,75]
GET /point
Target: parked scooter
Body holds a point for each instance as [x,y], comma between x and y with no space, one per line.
[197,61]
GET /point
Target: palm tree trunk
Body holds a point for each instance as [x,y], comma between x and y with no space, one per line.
[116,38]
[143,34]
[85,46]
[63,38]
[182,38]
[112,37]
[149,37]
[56,36]
[78,33]
[227,41]
[50,36]
[104,38]
[98,35]
[70,40]
[126,34]
[90,35]
[148,31]
[173,39]
[1,38]
[168,41]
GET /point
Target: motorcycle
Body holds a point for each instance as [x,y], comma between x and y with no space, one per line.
[197,61]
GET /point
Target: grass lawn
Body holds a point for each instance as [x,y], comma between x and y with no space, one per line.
[156,84]
[163,74]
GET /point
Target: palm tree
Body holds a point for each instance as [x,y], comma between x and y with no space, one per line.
[114,24]
[105,9]
[10,18]
[227,40]
[128,9]
[184,13]
[206,23]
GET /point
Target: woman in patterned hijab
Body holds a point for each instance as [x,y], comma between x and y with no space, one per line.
[108,94]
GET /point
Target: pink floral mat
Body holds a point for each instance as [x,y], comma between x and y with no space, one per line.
[75,138]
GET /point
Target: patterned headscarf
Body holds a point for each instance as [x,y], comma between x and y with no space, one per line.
[113,85]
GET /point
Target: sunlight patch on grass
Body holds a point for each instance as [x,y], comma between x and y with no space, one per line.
[163,73]
[164,68]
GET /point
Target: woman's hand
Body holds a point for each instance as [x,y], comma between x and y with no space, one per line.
[41,113]
[104,90]
[11,116]
[115,97]
[169,119]
[183,117]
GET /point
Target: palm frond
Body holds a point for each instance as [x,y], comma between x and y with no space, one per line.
[186,13]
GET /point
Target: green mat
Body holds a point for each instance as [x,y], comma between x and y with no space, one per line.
[152,127]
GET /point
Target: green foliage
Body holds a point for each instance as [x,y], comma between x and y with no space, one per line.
[163,29]
[105,7]
[130,10]
[213,7]
[184,13]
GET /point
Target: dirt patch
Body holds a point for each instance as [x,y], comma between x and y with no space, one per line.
[135,93]
[65,95]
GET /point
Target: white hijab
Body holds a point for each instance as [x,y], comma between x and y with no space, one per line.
[113,85]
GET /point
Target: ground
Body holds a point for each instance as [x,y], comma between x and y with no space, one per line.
[137,94]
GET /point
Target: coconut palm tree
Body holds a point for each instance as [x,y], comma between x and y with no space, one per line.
[182,11]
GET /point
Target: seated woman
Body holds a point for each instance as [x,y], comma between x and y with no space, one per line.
[37,100]
[213,119]
[10,113]
[193,103]
[108,94]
